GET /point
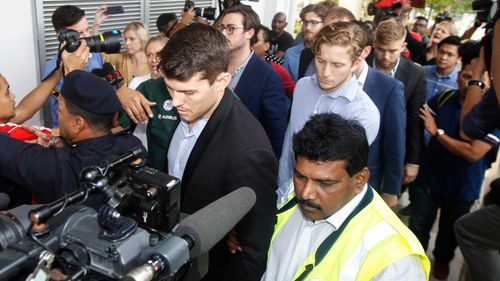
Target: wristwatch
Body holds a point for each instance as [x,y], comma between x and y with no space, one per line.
[438,133]
[476,83]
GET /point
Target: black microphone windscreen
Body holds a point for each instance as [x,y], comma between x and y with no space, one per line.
[108,67]
[211,223]
[99,72]
[4,201]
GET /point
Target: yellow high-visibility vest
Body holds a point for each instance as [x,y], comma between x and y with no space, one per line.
[370,239]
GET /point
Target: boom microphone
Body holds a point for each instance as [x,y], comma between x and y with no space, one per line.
[199,233]
[209,225]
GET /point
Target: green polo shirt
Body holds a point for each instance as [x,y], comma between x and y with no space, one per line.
[161,127]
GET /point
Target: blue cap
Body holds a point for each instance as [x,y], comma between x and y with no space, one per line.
[90,93]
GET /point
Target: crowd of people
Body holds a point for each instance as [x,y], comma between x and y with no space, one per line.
[328,129]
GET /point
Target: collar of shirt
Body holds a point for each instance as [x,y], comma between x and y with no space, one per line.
[344,91]
[447,76]
[241,68]
[195,130]
[364,74]
[238,72]
[393,70]
[337,219]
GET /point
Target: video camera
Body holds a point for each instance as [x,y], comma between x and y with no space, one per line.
[85,244]
[107,42]
[487,10]
[208,13]
[105,243]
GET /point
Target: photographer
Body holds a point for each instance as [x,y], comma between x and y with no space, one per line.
[477,233]
[87,109]
[69,17]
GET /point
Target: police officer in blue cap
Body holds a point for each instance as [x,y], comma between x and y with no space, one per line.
[87,107]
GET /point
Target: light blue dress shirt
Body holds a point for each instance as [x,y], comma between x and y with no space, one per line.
[181,145]
[437,83]
[349,101]
[292,59]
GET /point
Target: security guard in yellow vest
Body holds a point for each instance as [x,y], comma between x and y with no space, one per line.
[334,226]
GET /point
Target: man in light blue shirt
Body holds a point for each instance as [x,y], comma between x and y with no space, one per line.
[334,89]
[443,75]
[69,17]
[291,60]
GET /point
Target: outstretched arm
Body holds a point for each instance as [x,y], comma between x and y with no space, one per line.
[35,99]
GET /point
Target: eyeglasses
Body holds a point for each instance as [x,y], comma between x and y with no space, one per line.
[229,29]
[155,56]
[311,22]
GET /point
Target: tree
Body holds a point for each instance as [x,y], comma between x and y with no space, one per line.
[450,6]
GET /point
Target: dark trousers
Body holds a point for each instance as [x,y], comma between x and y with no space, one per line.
[478,236]
[425,205]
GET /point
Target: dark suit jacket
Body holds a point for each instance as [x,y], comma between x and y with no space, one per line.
[413,78]
[234,151]
[260,88]
[387,152]
[306,57]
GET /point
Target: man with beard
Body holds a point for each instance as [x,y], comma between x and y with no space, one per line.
[280,39]
[255,82]
[312,17]
[389,44]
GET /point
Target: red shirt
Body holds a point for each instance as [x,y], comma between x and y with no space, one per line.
[288,82]
[18,132]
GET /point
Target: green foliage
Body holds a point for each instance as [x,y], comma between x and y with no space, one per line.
[454,7]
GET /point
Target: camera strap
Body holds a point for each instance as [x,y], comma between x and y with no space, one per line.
[58,64]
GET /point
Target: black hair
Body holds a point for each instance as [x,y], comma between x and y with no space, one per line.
[96,122]
[451,40]
[65,16]
[266,35]
[329,137]
[195,48]
[422,18]
[163,20]
[469,51]
[250,19]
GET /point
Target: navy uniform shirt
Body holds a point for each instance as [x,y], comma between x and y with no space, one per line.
[50,173]
[445,173]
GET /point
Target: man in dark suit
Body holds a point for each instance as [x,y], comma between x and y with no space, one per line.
[257,85]
[387,152]
[218,147]
[388,45]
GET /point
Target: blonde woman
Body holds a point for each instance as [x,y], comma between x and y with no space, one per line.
[133,62]
[441,31]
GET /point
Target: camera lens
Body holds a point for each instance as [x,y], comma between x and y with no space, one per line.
[107,42]
[208,13]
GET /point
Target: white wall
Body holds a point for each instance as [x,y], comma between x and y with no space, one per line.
[267,8]
[18,56]
[355,6]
